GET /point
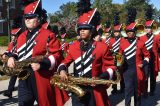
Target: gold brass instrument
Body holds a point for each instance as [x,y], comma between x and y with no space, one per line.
[19,69]
[118,58]
[73,82]
[67,86]
[155,26]
[140,25]
[3,60]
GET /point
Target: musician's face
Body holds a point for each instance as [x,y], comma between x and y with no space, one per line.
[85,33]
[130,34]
[116,34]
[13,38]
[31,23]
[97,38]
[107,34]
[148,30]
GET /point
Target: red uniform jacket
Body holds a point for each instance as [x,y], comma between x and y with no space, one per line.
[41,42]
[93,63]
[11,47]
[151,45]
[114,44]
[157,43]
[137,49]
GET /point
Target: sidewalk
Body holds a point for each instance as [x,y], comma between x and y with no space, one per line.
[116,100]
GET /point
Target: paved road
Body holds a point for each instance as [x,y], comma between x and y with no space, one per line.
[116,100]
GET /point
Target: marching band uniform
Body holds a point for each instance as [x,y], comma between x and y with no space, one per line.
[39,41]
[107,32]
[158,45]
[114,44]
[150,43]
[91,60]
[11,49]
[133,49]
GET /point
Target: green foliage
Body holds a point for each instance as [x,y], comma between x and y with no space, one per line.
[67,11]
[67,15]
[3,40]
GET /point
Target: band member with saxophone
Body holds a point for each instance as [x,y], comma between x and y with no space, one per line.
[35,41]
[114,45]
[152,47]
[133,49]
[91,58]
[107,32]
[15,32]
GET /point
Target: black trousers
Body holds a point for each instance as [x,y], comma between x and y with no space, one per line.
[27,91]
[122,85]
[152,78]
[12,82]
[131,86]
[87,100]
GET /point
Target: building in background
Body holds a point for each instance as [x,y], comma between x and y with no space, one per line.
[14,10]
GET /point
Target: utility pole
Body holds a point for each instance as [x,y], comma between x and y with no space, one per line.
[8,18]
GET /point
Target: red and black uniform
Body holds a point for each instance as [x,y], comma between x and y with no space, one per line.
[91,60]
[37,86]
[158,44]
[11,48]
[151,45]
[114,46]
[106,40]
[16,30]
[133,51]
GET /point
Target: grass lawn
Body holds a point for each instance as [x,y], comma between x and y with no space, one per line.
[3,40]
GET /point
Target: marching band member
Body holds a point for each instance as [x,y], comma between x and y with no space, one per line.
[15,32]
[133,49]
[107,32]
[150,43]
[114,45]
[35,41]
[89,56]
[99,33]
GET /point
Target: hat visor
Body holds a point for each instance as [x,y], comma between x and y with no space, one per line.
[85,26]
[130,30]
[30,16]
[148,27]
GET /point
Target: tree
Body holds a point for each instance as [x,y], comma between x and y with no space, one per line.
[66,16]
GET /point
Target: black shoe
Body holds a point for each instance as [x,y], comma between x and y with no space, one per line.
[8,94]
[114,91]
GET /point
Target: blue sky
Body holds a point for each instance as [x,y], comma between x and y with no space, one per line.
[53,5]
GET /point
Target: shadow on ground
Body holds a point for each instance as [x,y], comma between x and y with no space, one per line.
[116,98]
[153,100]
[9,101]
[150,101]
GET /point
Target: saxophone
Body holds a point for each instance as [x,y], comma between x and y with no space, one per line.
[118,58]
[73,82]
[19,69]
[67,86]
